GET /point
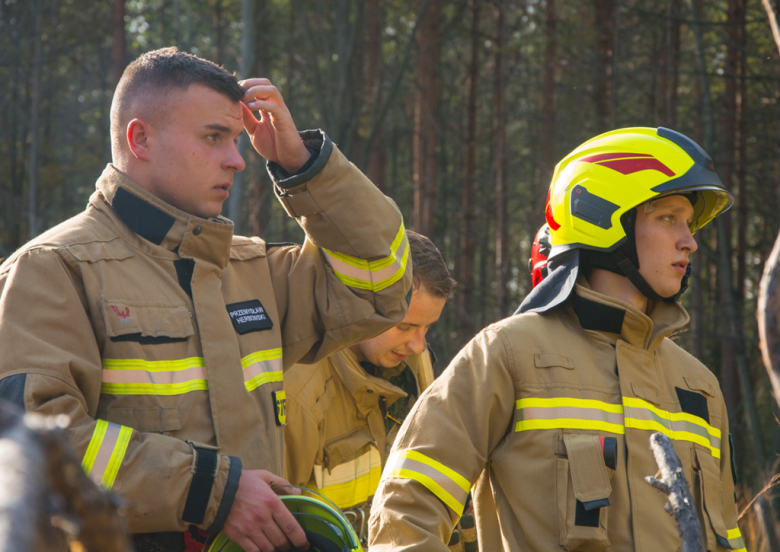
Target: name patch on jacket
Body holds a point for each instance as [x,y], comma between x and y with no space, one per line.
[280,407]
[249,316]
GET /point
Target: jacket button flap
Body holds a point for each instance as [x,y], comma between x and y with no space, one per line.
[124,318]
[697,384]
[550,360]
[113,250]
[650,394]
[588,471]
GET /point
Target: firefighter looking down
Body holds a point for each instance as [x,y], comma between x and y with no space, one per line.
[346,411]
[163,336]
[548,413]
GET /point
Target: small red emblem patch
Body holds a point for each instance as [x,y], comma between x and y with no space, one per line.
[121,314]
[629,163]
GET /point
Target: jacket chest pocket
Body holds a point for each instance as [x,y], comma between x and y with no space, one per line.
[582,491]
[149,351]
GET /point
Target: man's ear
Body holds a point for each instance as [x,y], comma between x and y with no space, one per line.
[138,134]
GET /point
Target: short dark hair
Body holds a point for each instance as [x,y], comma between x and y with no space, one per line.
[428,267]
[157,73]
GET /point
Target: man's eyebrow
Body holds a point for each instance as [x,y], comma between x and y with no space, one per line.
[221,128]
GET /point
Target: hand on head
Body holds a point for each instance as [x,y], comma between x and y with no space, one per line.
[274,136]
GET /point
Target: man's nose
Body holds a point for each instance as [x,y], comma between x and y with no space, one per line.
[687,241]
[234,160]
[417,342]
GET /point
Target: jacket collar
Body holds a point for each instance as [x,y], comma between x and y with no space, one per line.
[161,225]
[616,319]
[358,381]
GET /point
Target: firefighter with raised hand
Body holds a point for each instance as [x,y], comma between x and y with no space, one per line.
[346,411]
[563,397]
[163,336]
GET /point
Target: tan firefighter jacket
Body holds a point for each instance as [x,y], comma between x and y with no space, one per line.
[550,416]
[336,439]
[164,337]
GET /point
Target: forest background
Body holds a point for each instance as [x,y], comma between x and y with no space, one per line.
[459,111]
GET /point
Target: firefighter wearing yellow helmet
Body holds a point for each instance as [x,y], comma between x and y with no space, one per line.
[563,396]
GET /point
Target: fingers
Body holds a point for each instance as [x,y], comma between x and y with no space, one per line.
[278,484]
[250,121]
[263,92]
[286,522]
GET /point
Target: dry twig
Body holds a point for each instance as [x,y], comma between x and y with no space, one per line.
[674,485]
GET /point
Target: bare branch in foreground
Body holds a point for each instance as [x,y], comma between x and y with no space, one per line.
[674,485]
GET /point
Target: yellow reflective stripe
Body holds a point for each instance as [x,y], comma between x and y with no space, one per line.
[349,483]
[262,367]
[568,423]
[572,402]
[736,542]
[136,376]
[151,365]
[372,275]
[668,422]
[105,452]
[448,485]
[672,416]
[568,413]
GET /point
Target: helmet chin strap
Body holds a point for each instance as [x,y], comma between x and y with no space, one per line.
[632,273]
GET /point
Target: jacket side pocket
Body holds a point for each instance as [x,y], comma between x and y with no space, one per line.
[707,471]
[583,489]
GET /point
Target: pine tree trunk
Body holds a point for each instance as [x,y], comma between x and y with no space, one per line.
[425,173]
[468,198]
[248,49]
[604,20]
[730,379]
[773,12]
[378,156]
[548,116]
[32,188]
[499,166]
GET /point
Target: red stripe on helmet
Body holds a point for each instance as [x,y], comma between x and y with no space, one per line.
[608,156]
[630,166]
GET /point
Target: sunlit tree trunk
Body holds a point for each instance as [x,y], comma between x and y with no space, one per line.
[378,157]
[425,172]
[499,165]
[248,49]
[548,114]
[742,204]
[468,228]
[32,188]
[731,392]
[604,20]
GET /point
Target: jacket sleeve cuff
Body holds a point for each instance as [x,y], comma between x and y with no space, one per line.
[317,142]
[234,474]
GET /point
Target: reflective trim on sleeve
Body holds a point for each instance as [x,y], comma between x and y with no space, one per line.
[449,486]
[735,540]
[105,452]
[679,426]
[262,367]
[569,413]
[372,275]
[352,482]
[136,376]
